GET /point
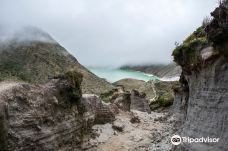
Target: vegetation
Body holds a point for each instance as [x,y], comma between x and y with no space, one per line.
[74,78]
[165,96]
[163,100]
[198,37]
[199,33]
[187,53]
[108,95]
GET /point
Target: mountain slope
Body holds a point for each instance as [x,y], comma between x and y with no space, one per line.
[35,57]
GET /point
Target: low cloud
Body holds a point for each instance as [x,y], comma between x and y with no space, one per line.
[110,32]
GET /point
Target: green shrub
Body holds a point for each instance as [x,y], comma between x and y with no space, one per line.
[74,78]
[197,38]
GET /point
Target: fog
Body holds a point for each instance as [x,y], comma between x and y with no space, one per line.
[109,32]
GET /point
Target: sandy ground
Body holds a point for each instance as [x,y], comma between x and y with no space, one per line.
[151,134]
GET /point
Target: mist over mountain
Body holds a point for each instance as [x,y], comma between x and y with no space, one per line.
[27,33]
[110,32]
[31,54]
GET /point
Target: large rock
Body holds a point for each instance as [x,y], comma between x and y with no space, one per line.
[41,117]
[96,110]
[48,117]
[201,103]
[127,100]
[139,102]
[158,93]
[205,110]
[143,87]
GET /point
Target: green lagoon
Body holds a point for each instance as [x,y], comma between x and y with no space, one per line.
[115,74]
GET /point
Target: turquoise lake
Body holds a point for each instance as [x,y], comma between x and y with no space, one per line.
[113,75]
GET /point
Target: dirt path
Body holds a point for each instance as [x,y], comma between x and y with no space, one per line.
[151,134]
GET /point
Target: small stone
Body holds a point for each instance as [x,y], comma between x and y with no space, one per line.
[135,119]
[118,126]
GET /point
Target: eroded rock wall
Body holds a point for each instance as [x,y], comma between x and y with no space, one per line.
[201,105]
[206,110]
[37,118]
[48,117]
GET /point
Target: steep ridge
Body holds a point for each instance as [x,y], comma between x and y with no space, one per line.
[201,104]
[34,56]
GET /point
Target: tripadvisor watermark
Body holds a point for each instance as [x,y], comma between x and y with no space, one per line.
[176,140]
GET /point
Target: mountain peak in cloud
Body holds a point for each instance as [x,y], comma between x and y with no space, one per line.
[25,34]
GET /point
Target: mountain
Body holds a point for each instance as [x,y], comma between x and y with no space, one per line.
[162,70]
[32,55]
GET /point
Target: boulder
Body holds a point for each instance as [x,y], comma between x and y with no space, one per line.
[139,102]
[96,110]
[38,117]
[52,116]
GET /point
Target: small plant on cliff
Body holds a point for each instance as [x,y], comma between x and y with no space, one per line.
[186,51]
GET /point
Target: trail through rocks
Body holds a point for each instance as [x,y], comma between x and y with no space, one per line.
[133,131]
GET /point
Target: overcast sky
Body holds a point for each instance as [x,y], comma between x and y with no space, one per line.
[111,32]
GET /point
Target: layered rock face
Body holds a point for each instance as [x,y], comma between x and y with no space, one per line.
[202,103]
[41,117]
[138,102]
[96,110]
[49,116]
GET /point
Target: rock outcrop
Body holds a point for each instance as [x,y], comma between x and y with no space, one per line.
[139,102]
[123,100]
[40,117]
[52,116]
[164,95]
[96,110]
[201,103]
[158,93]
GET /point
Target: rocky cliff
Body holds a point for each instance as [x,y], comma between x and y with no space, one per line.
[52,116]
[201,104]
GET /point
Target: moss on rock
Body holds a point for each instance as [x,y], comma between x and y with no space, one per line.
[107,96]
[196,38]
[164,95]
[74,78]
[188,54]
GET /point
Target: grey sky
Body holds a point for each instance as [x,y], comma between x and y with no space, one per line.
[111,32]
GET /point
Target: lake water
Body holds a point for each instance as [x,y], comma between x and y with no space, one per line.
[113,75]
